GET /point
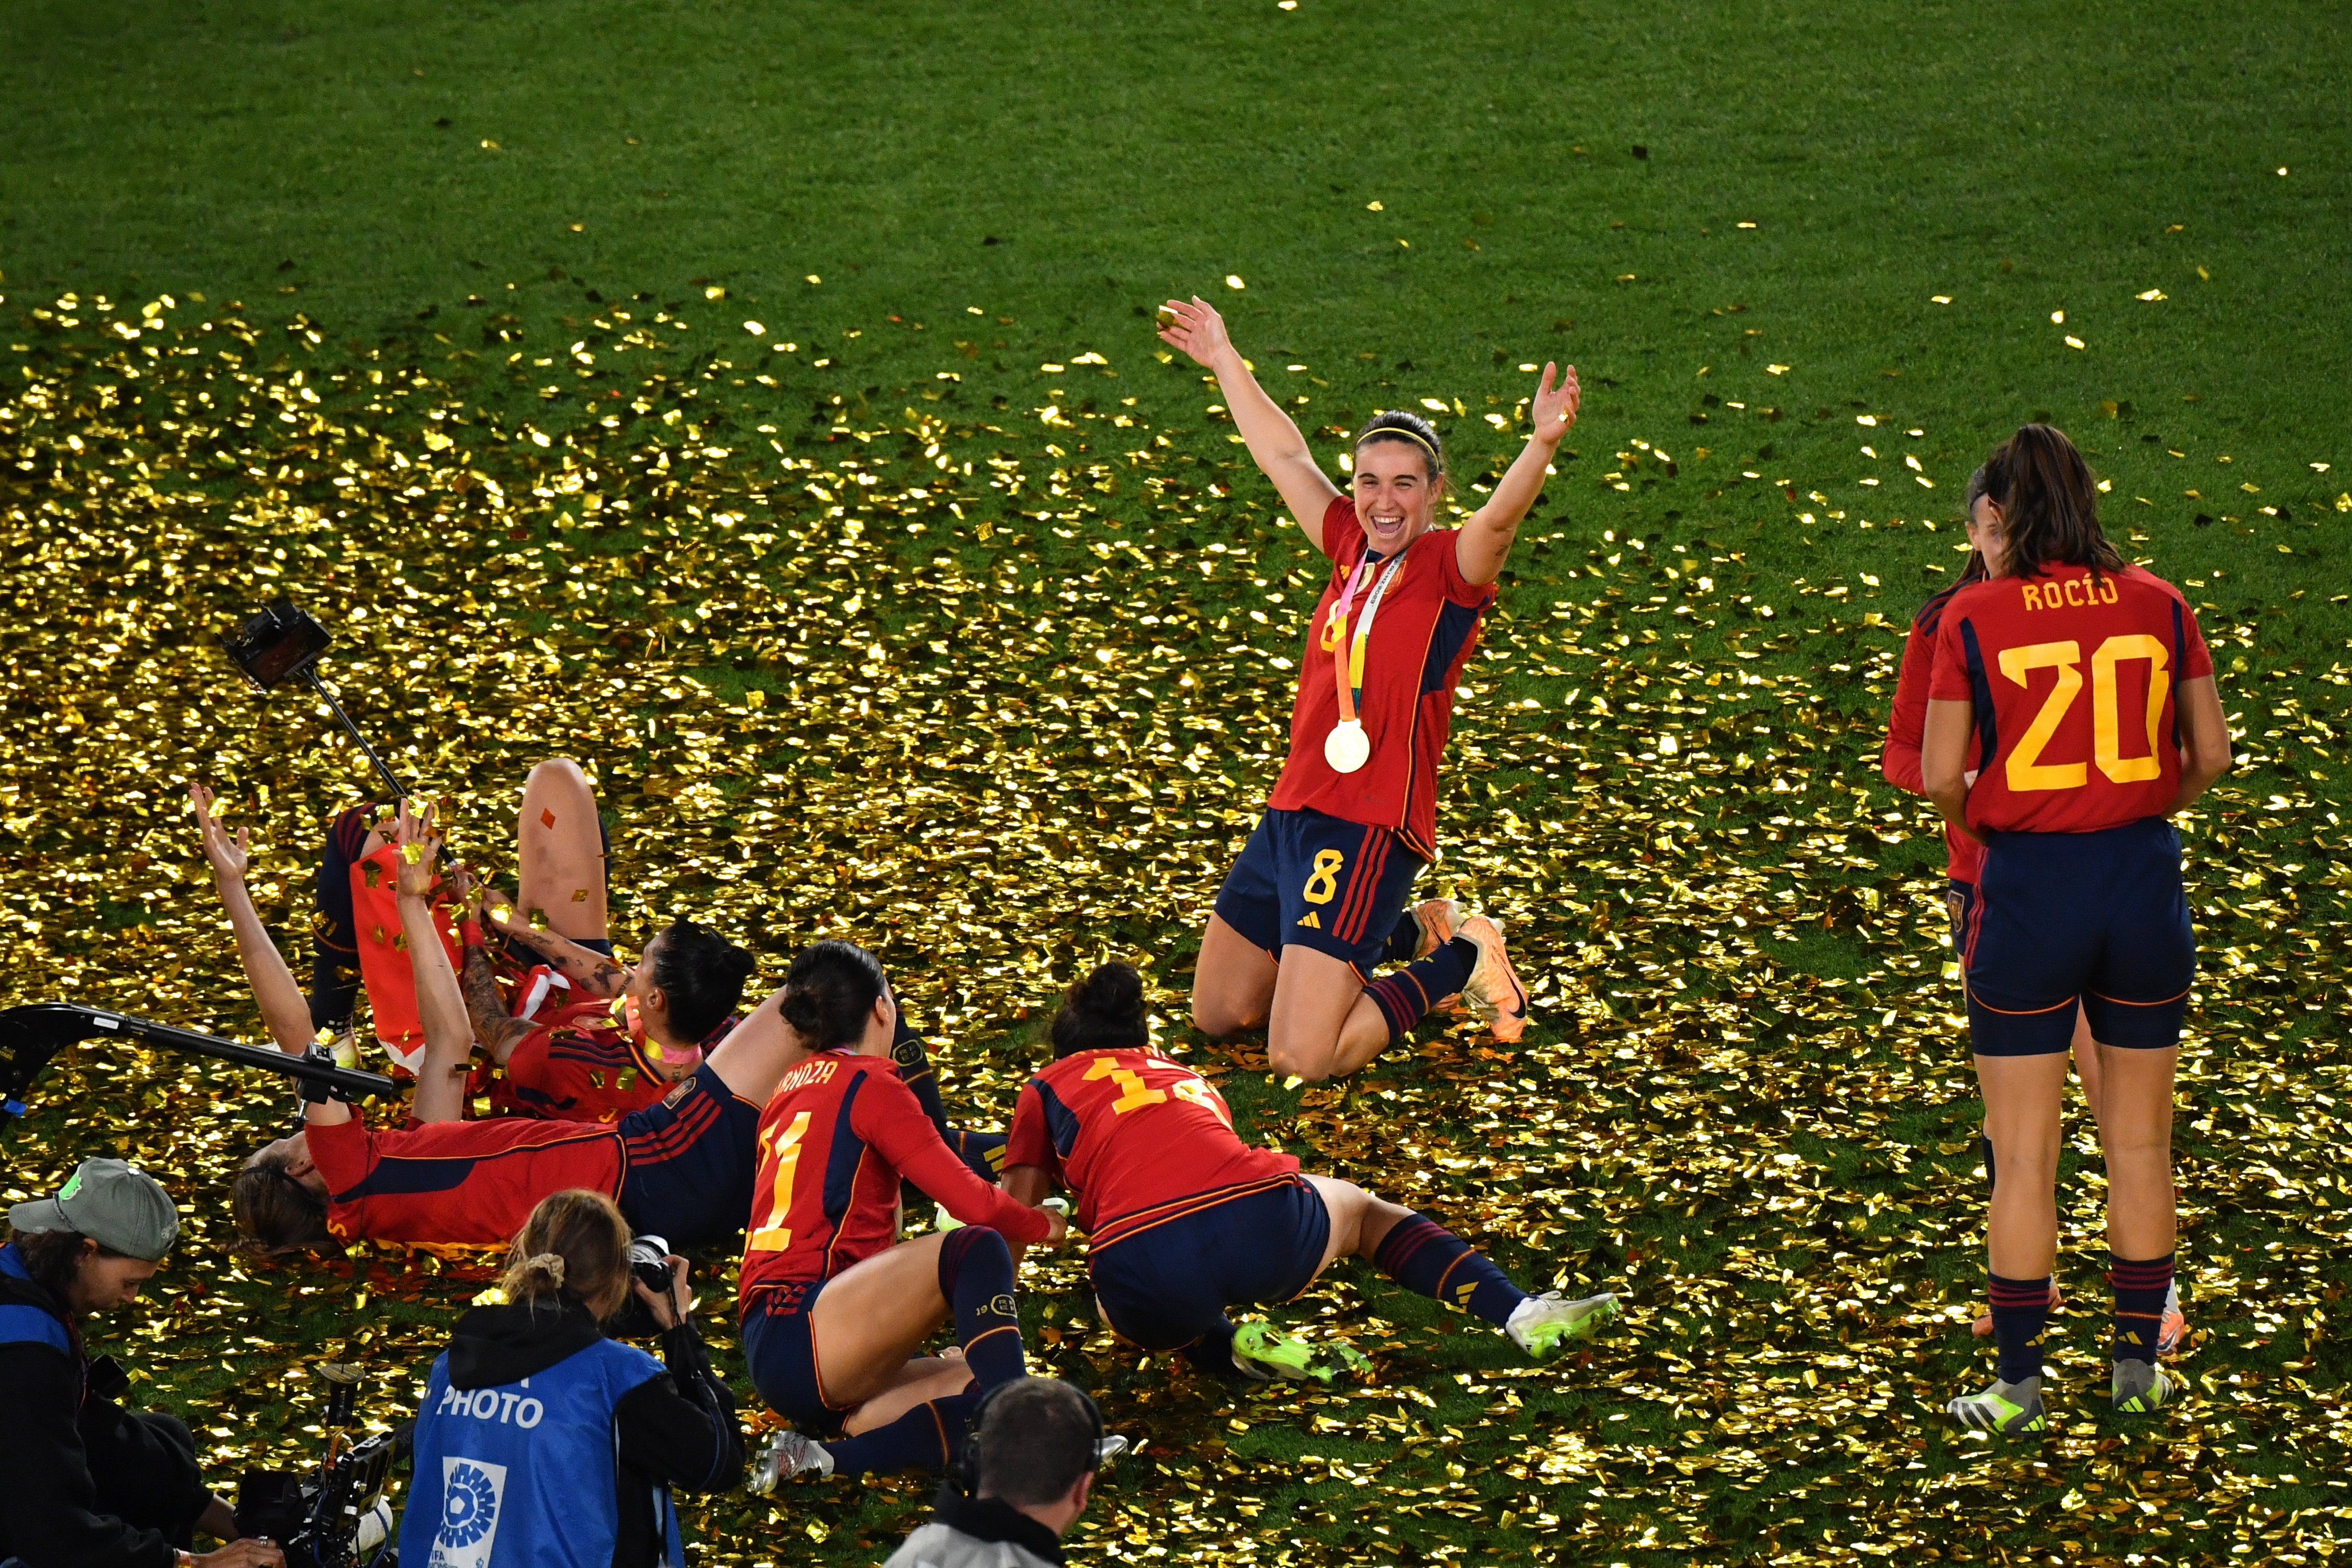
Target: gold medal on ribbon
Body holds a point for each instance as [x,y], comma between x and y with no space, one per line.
[1347,748]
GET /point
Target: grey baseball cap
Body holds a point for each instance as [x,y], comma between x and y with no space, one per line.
[122,1210]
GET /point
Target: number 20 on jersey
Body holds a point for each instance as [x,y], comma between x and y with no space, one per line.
[2026,771]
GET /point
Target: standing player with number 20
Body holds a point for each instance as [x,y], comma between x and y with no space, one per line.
[2079,689]
[1318,898]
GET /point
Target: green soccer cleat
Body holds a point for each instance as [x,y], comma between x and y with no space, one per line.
[2138,1387]
[1544,1326]
[1262,1353]
[2007,1408]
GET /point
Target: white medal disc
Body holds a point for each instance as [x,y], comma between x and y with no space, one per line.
[1346,748]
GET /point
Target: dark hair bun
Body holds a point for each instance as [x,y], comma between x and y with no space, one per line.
[831,992]
[1103,1011]
[701,976]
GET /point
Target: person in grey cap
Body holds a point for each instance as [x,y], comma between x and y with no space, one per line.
[85,1483]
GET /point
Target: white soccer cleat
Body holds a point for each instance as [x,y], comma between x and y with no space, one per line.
[1544,1326]
[790,1455]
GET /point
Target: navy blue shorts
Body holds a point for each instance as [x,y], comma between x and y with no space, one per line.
[781,1350]
[1167,1285]
[2096,918]
[1310,880]
[687,1161]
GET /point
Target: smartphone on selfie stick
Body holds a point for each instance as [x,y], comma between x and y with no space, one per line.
[282,642]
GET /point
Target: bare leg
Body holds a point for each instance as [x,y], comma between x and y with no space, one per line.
[2137,1132]
[2088,1061]
[1360,1222]
[560,852]
[1322,1025]
[870,1321]
[1233,982]
[919,1381]
[2021,1097]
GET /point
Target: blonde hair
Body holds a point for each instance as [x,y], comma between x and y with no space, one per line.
[575,1243]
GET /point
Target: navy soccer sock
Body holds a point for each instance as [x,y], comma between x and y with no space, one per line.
[1421,1255]
[2021,1310]
[981,1153]
[976,1277]
[2140,1289]
[1212,1353]
[1404,940]
[1411,991]
[928,1437]
[334,933]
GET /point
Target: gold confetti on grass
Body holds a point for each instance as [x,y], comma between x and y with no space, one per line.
[1001,697]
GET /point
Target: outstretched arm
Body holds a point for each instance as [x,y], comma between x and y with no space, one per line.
[283,1012]
[440,1006]
[1275,442]
[1485,542]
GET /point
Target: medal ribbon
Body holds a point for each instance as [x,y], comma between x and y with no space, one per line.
[1347,653]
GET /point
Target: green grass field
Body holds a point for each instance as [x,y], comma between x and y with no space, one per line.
[941,611]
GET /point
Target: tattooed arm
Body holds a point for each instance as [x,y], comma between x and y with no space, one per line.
[496,1028]
[591,972]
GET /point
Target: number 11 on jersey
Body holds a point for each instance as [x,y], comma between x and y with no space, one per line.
[784,1144]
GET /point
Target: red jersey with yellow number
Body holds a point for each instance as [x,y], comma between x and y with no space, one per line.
[837,1136]
[1136,1139]
[2071,678]
[455,1181]
[1423,631]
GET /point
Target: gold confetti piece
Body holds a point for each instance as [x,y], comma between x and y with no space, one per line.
[2058,318]
[1373,208]
[1743,223]
[1776,369]
[1940,298]
[755,328]
[1234,280]
[2152,294]
[2074,343]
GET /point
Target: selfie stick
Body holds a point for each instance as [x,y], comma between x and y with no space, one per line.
[282,642]
[311,676]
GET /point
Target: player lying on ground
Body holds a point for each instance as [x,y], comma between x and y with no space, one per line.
[585,1037]
[834,1313]
[1183,1220]
[681,1167]
[2082,905]
[1964,854]
[1316,900]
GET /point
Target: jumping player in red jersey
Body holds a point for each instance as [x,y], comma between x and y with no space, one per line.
[1318,898]
[681,1167]
[834,1309]
[1183,1220]
[2081,905]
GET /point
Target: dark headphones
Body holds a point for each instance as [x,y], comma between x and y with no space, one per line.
[965,1475]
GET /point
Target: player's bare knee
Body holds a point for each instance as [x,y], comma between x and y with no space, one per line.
[557,772]
[1312,1065]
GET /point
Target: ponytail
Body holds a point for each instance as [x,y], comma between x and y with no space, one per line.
[2049,505]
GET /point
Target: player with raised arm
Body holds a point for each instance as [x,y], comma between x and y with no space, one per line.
[1963,853]
[1183,1220]
[681,1167]
[1318,898]
[2081,903]
[835,1307]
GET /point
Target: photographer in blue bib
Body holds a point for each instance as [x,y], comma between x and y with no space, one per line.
[541,1441]
[85,1483]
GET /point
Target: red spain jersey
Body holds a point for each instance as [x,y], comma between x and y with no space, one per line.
[576,1066]
[1422,634]
[1136,1139]
[456,1181]
[837,1136]
[1906,727]
[2072,681]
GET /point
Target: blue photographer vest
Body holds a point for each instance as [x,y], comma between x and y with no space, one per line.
[22,1322]
[523,1475]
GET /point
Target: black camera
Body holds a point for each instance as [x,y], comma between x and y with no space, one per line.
[635,1319]
[337,1516]
[278,643]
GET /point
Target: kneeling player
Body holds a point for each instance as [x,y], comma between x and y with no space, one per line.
[1184,1220]
[681,1167]
[833,1313]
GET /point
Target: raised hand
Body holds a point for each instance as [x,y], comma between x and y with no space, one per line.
[418,849]
[1555,405]
[229,856]
[1196,330]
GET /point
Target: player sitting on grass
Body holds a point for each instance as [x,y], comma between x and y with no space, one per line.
[1184,1220]
[835,1307]
[681,1167]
